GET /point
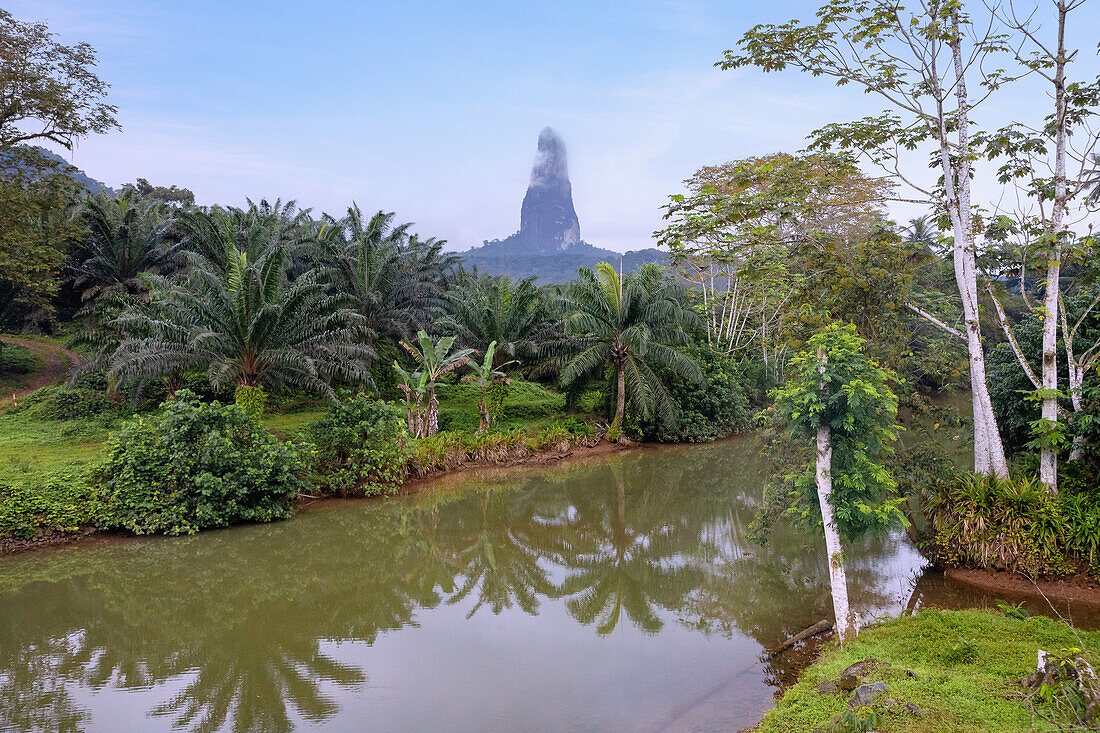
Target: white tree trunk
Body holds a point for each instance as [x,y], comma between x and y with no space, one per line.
[1048,459]
[838,582]
[989,454]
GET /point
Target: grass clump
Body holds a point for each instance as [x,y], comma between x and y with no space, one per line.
[966,667]
[1015,525]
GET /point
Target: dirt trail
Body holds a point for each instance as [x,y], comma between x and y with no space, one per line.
[57,361]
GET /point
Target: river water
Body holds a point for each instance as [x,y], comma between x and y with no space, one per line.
[617,594]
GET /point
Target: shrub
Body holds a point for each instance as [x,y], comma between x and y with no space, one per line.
[64,502]
[1015,525]
[360,447]
[193,466]
[714,408]
[64,402]
[252,399]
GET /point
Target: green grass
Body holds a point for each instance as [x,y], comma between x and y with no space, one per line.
[31,449]
[980,696]
[528,405]
[17,367]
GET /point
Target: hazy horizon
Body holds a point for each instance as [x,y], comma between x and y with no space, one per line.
[433,109]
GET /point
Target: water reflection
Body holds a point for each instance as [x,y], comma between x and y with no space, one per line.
[641,559]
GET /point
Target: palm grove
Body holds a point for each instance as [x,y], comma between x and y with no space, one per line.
[790,292]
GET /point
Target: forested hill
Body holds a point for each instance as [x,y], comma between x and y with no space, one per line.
[511,257]
[89,183]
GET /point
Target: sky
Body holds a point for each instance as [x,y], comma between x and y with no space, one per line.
[433,109]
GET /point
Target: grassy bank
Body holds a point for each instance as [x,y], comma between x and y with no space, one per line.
[49,443]
[960,669]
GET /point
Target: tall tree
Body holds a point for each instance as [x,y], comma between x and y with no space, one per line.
[488,308]
[1039,157]
[125,239]
[921,63]
[244,323]
[841,400]
[632,326]
[394,279]
[49,90]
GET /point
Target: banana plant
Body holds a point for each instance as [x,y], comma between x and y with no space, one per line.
[434,360]
[493,386]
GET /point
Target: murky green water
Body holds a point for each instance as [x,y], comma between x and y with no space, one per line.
[616,595]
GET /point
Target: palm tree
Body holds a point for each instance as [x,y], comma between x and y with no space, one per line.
[921,231]
[246,324]
[394,279]
[1092,180]
[484,308]
[126,238]
[631,325]
[260,228]
[435,360]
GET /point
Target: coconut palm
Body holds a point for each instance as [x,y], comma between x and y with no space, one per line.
[394,279]
[484,308]
[921,231]
[434,360]
[246,324]
[126,237]
[631,326]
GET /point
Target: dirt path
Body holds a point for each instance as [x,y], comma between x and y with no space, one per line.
[57,361]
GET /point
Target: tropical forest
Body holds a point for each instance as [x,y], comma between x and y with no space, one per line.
[819,452]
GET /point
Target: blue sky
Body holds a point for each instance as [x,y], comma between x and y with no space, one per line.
[432,109]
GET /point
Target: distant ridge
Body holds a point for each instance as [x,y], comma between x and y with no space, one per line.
[548,244]
[90,184]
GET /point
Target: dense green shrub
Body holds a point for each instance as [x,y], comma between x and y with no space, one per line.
[196,465]
[714,408]
[1015,525]
[64,402]
[360,447]
[64,502]
[16,359]
[252,399]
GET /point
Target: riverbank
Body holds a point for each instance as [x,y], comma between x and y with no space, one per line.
[559,452]
[932,671]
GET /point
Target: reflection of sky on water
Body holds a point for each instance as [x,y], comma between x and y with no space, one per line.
[621,594]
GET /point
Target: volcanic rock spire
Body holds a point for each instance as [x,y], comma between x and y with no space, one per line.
[547,221]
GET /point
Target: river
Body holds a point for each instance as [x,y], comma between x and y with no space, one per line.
[620,593]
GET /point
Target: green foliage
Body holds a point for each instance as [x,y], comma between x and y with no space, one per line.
[833,384]
[64,502]
[64,402]
[635,325]
[1014,524]
[252,399]
[716,407]
[963,651]
[1016,611]
[360,447]
[975,698]
[485,309]
[244,322]
[524,402]
[196,465]
[16,359]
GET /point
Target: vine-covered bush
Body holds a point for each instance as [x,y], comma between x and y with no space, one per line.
[714,408]
[1015,525]
[196,465]
[360,447]
[63,502]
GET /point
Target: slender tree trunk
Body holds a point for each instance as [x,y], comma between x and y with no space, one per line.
[989,454]
[1048,459]
[620,404]
[838,581]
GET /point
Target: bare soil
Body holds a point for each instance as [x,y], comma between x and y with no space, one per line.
[1074,588]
